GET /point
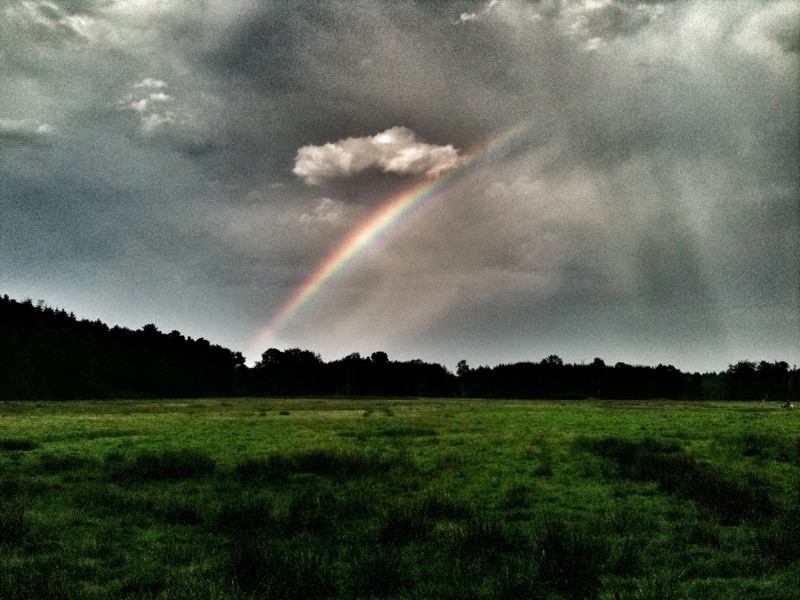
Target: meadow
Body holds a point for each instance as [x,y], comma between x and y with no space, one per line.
[404,499]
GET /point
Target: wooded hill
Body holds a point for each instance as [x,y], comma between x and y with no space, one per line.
[47,353]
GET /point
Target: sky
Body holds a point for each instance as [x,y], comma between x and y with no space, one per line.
[491,181]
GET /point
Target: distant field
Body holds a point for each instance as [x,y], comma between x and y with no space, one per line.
[460,499]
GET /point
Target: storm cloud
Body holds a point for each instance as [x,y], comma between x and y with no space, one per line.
[192,164]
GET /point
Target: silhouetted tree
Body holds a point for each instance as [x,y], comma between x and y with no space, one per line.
[379,358]
[742,381]
[774,380]
[292,372]
[48,353]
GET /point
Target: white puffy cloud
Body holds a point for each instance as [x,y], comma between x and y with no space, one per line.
[24,128]
[396,150]
[150,83]
[466,17]
[155,121]
[149,100]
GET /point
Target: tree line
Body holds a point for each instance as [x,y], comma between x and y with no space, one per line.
[47,353]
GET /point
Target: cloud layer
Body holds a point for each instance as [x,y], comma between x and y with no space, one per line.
[192,165]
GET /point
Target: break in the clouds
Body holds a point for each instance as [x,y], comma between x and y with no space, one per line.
[396,150]
[192,164]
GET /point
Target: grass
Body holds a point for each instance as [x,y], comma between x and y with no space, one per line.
[253,498]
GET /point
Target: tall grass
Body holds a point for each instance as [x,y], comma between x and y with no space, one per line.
[272,568]
[15,524]
[374,571]
[572,557]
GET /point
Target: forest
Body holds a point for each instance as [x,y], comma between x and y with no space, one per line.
[48,354]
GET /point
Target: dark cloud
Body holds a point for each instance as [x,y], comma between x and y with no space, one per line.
[646,209]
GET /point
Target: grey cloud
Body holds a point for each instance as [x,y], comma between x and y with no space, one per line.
[60,23]
[326,211]
[606,19]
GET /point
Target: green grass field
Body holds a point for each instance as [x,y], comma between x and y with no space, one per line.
[258,498]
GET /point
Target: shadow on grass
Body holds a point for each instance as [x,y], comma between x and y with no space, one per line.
[52,463]
[17,444]
[572,558]
[167,465]
[15,523]
[731,499]
[770,446]
[404,520]
[274,568]
[243,514]
[778,540]
[375,571]
[406,432]
[327,463]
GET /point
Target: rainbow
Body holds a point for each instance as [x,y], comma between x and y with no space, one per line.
[393,212]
